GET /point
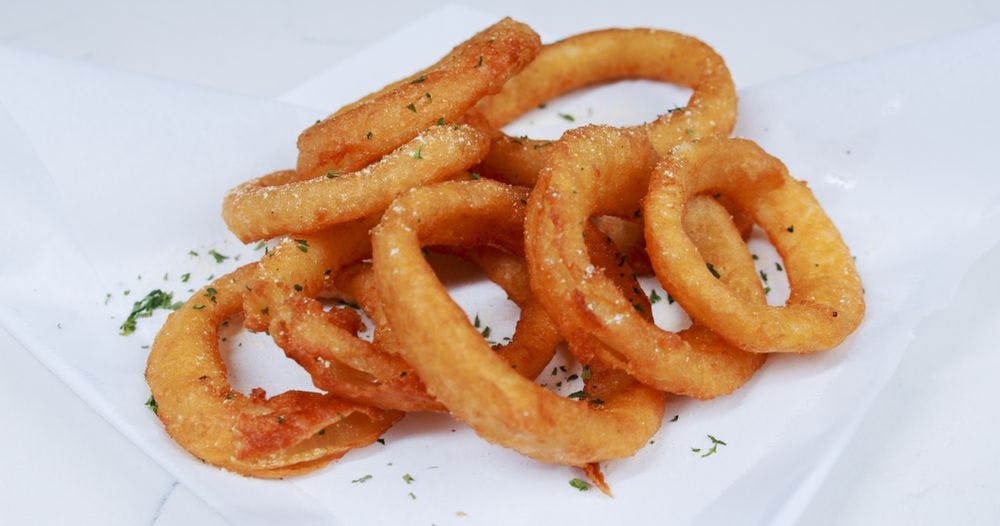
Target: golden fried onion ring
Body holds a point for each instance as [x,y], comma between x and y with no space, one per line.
[279,204]
[600,57]
[827,299]
[292,433]
[599,170]
[458,366]
[368,129]
[341,363]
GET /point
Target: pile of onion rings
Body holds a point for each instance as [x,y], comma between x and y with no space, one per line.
[564,227]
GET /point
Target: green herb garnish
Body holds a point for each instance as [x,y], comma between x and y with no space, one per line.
[654,297]
[156,299]
[713,450]
[219,258]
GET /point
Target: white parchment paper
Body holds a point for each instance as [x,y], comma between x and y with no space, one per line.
[112,181]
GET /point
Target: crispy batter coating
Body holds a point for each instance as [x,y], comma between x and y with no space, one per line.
[827,300]
[599,170]
[364,131]
[292,433]
[604,56]
[279,204]
[459,368]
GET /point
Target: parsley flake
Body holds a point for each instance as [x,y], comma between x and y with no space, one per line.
[219,258]
[417,154]
[567,117]
[407,478]
[711,451]
[654,297]
[411,107]
[302,245]
[418,80]
[156,299]
[151,404]
[361,480]
[581,485]
[579,395]
[711,268]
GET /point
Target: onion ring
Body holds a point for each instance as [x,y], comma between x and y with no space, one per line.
[600,57]
[340,362]
[460,369]
[279,204]
[368,129]
[292,433]
[571,189]
[827,299]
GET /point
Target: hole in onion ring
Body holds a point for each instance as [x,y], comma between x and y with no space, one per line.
[589,105]
[254,361]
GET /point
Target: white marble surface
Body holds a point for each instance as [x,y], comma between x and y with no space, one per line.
[923,455]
